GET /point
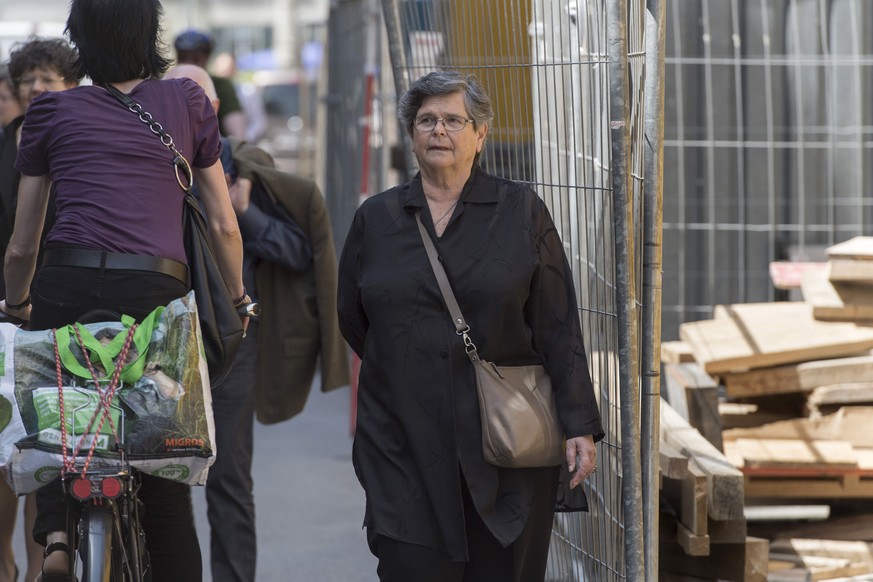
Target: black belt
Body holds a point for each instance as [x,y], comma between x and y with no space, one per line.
[115,261]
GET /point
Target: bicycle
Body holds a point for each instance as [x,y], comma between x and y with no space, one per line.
[111,543]
[106,541]
[105,538]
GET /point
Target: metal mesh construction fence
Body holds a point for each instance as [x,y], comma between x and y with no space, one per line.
[768,151]
[569,83]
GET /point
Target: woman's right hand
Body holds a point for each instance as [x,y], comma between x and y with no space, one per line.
[23,314]
[245,312]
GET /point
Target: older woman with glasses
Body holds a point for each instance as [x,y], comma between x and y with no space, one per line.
[35,66]
[436,510]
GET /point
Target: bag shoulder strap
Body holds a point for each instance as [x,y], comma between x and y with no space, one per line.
[462,328]
[184,175]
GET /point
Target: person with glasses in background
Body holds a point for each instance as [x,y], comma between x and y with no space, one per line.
[35,67]
[436,511]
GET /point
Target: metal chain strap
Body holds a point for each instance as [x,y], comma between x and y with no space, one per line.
[154,126]
[180,162]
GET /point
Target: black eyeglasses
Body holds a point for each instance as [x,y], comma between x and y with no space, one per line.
[450,122]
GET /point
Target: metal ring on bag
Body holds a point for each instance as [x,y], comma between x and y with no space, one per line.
[180,163]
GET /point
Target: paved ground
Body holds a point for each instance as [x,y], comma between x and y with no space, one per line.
[309,504]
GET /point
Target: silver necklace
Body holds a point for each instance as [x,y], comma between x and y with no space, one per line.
[449,211]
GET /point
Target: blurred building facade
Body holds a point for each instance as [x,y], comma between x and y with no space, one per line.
[273,30]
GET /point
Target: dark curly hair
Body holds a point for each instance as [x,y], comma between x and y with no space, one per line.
[118,40]
[42,53]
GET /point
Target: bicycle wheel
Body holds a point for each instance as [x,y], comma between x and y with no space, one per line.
[96,528]
[130,550]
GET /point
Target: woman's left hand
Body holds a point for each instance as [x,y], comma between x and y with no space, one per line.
[581,458]
[23,314]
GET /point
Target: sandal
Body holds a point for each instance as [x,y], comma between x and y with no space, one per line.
[51,549]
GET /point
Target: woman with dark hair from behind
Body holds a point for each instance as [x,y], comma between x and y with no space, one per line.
[117,240]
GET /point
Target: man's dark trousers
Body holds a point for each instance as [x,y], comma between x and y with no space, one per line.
[231,506]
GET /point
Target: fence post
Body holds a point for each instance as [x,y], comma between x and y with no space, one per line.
[652,275]
[400,67]
[619,126]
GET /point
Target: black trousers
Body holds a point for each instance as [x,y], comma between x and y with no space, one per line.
[524,560]
[62,295]
[229,488]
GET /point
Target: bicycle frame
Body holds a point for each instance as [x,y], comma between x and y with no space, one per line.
[111,544]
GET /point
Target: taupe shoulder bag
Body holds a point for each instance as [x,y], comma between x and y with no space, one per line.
[520,426]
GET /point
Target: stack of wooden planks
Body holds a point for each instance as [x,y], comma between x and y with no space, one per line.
[843,290]
[785,398]
[703,529]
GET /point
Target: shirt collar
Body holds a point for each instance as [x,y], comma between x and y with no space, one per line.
[477,190]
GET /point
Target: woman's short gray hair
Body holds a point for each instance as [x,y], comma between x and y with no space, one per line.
[445,82]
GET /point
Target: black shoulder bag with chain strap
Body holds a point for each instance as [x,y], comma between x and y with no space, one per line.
[220,325]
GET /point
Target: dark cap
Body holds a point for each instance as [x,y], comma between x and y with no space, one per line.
[194,40]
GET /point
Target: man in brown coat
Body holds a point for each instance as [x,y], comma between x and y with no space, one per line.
[300,328]
[289,264]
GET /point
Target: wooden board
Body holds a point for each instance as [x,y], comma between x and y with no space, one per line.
[850,424]
[693,544]
[824,559]
[850,271]
[857,551]
[821,483]
[802,377]
[673,464]
[694,395]
[743,562]
[676,352]
[759,335]
[835,300]
[744,415]
[787,512]
[859,247]
[731,531]
[791,456]
[788,275]
[692,506]
[853,527]
[813,568]
[724,482]
[834,487]
[826,399]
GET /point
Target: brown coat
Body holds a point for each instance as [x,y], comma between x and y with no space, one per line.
[299,323]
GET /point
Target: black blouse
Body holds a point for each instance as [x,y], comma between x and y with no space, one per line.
[418,414]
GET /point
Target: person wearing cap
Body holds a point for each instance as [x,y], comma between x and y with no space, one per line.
[194,47]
